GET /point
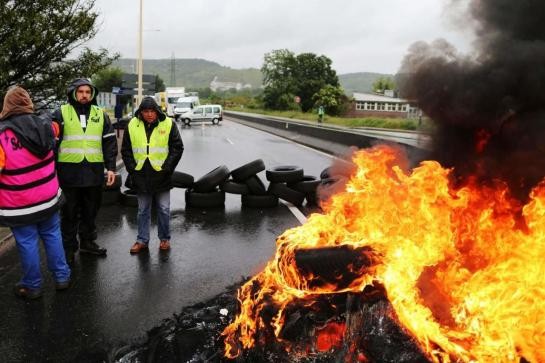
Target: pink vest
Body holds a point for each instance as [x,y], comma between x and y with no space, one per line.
[28,184]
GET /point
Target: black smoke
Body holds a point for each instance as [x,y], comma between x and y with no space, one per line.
[488,107]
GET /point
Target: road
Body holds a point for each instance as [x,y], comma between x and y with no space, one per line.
[117,299]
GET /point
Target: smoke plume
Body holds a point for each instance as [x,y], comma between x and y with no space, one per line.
[488,107]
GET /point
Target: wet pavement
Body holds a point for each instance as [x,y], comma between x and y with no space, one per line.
[117,299]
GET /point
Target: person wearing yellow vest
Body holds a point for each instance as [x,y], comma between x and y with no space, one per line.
[151,149]
[87,147]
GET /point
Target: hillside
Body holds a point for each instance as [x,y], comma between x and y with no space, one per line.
[193,73]
[198,73]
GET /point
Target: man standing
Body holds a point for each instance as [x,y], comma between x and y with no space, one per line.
[151,149]
[87,145]
[29,191]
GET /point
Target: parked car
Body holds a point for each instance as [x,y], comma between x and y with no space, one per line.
[204,113]
[185,104]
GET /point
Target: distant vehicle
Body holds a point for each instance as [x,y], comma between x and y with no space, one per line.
[185,104]
[172,94]
[204,113]
[161,99]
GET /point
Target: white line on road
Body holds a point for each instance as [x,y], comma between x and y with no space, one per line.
[296,212]
[229,141]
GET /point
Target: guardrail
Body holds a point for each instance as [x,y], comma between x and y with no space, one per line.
[331,139]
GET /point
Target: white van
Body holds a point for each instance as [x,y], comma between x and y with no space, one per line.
[212,113]
[185,104]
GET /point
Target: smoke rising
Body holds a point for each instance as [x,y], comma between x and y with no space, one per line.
[489,107]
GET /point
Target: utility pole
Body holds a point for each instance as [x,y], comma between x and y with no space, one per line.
[140,63]
[173,70]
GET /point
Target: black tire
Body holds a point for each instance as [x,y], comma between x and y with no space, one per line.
[182,180]
[128,198]
[339,168]
[187,121]
[307,185]
[204,200]
[284,192]
[215,121]
[245,171]
[259,201]
[117,182]
[212,179]
[285,174]
[110,197]
[255,185]
[233,187]
[311,199]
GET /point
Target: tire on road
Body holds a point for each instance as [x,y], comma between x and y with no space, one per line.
[182,180]
[232,187]
[211,180]
[245,171]
[307,185]
[255,185]
[285,174]
[259,201]
[211,199]
[284,192]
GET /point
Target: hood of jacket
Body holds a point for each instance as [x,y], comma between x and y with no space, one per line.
[16,102]
[71,91]
[33,131]
[149,103]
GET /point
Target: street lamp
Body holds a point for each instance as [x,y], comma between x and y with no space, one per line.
[139,96]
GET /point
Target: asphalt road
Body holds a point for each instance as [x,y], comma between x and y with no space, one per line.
[117,299]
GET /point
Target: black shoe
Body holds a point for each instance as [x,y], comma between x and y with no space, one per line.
[92,248]
[27,293]
[59,286]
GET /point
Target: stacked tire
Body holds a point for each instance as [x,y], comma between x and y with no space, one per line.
[205,192]
[284,183]
[334,178]
[246,182]
[111,193]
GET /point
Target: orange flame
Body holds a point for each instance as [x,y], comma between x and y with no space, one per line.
[463,268]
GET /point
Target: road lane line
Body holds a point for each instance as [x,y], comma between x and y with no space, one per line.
[296,212]
[229,141]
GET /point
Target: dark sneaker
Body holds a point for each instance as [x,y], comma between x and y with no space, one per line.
[27,293]
[92,248]
[64,285]
[164,245]
[138,247]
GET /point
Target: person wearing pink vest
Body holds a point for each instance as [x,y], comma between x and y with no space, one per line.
[29,191]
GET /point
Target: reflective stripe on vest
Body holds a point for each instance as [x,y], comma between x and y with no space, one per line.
[77,144]
[157,148]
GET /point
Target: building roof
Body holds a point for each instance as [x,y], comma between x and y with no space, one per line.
[368,97]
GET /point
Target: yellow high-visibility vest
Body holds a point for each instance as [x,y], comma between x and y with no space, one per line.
[157,148]
[77,144]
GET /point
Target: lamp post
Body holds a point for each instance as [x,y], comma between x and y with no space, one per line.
[140,71]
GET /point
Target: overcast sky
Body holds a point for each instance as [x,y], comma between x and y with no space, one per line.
[357,35]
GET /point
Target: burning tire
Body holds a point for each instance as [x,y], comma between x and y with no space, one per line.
[256,186]
[259,201]
[182,180]
[244,172]
[284,192]
[211,180]
[211,199]
[233,187]
[285,174]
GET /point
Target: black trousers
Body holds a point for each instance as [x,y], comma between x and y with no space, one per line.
[78,215]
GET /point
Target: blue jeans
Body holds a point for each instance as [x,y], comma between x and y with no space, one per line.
[27,241]
[162,201]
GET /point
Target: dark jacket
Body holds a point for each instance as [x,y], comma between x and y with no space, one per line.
[86,174]
[149,180]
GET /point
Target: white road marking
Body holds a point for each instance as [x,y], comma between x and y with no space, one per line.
[296,212]
[229,141]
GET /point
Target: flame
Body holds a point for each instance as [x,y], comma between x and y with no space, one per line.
[463,268]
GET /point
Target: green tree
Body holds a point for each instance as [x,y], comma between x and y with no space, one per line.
[108,78]
[159,84]
[286,75]
[332,98]
[36,39]
[382,84]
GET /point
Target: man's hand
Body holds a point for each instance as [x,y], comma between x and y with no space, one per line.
[111,178]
